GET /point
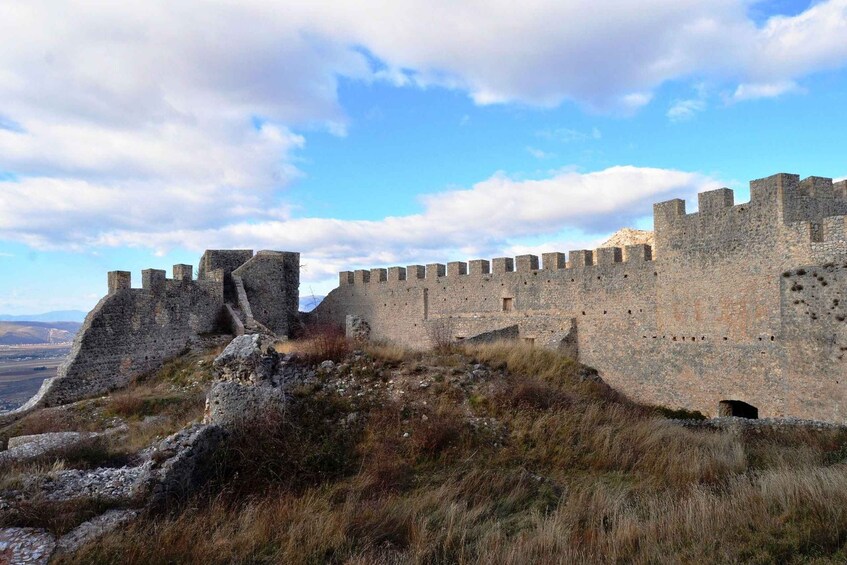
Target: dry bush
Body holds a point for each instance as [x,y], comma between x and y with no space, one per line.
[440,334]
[507,517]
[523,359]
[389,353]
[57,517]
[320,341]
[87,454]
[441,431]
[304,445]
[138,402]
[531,394]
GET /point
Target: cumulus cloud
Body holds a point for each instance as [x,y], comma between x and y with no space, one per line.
[165,124]
[483,220]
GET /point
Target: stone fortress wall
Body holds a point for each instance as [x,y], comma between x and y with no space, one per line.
[133,331]
[734,303]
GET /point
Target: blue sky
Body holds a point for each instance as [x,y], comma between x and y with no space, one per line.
[378,133]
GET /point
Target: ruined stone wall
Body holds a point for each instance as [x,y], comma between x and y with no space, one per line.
[603,300]
[270,281]
[705,321]
[134,330]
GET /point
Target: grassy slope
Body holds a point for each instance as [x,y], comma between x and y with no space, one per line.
[527,465]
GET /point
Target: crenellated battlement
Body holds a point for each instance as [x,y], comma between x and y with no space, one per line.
[781,198]
[155,280]
[553,261]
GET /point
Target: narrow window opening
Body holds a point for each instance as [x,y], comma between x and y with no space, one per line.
[508,304]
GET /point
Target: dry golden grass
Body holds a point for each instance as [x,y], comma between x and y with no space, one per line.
[582,475]
[389,352]
[319,342]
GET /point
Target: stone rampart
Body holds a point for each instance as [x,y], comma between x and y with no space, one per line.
[134,330]
[699,319]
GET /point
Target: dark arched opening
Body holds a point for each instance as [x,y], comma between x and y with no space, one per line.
[738,409]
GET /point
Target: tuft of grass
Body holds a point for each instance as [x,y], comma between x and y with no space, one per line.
[56,517]
[389,353]
[319,342]
[522,359]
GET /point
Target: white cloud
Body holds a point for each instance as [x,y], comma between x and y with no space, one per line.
[790,47]
[491,216]
[763,90]
[145,123]
[682,110]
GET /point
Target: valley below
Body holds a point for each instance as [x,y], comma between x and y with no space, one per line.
[24,367]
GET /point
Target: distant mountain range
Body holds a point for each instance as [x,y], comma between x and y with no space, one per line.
[309,303]
[55,316]
[19,333]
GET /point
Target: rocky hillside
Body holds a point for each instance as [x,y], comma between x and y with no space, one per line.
[327,451]
[629,236]
[37,333]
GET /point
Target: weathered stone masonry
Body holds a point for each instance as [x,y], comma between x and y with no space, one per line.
[132,331]
[736,302]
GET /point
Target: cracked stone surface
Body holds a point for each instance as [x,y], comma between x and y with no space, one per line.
[230,403]
[93,529]
[23,448]
[249,358]
[25,546]
[112,485]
